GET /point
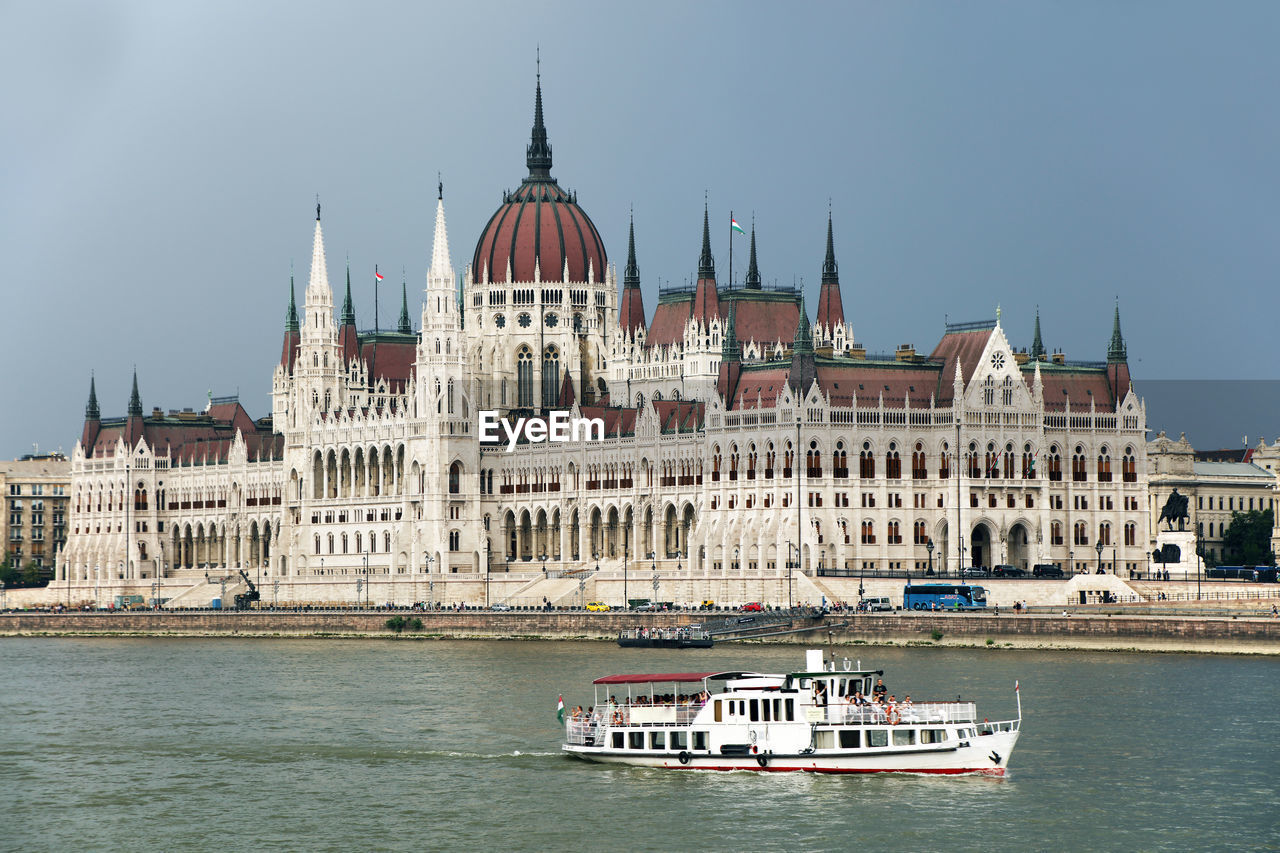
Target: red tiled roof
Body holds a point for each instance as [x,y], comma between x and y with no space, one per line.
[543,223]
[390,360]
[965,347]
[869,380]
[766,322]
[669,320]
[631,313]
[764,384]
[830,306]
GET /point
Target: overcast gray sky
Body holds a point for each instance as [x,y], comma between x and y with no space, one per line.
[161,160]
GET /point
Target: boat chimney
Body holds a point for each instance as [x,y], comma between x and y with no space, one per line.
[813,660]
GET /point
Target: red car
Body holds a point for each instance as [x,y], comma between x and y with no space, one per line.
[751,607]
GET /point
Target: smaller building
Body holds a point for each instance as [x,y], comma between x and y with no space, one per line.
[1217,483]
[34,525]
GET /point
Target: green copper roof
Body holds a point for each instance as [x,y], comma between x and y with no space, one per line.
[404,326]
[1037,344]
[291,316]
[135,399]
[706,265]
[753,271]
[1117,352]
[348,311]
[91,412]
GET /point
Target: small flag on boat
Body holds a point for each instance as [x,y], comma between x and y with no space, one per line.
[560,709]
[1015,685]
[733,223]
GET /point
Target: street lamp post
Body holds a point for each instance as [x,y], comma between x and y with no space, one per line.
[928,546]
[366,578]
[97,587]
[626,555]
[789,564]
[431,584]
[1098,547]
[275,593]
[488,557]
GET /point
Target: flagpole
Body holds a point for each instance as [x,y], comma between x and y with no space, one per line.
[375,298]
[731,250]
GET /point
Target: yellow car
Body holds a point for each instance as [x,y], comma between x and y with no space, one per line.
[597,606]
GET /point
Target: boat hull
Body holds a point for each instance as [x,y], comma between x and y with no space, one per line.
[986,755]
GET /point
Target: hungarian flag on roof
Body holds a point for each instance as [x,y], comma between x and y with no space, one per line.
[733,223]
[377,275]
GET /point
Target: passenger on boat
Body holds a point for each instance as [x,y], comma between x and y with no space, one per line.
[879,690]
[906,710]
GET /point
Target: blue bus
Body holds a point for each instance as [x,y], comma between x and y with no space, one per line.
[943,596]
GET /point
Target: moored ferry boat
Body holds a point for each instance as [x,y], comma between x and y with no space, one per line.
[823,719]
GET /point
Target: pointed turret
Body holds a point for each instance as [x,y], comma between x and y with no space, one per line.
[348,310]
[753,270]
[566,398]
[92,420]
[803,368]
[292,336]
[631,311]
[538,154]
[1118,361]
[1117,352]
[442,309]
[133,423]
[403,326]
[1037,343]
[291,316]
[135,399]
[91,411]
[830,305]
[730,358]
[706,301]
[348,337]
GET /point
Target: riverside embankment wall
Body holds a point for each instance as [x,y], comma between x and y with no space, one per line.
[1243,634]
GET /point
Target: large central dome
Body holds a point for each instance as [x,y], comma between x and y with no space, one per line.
[539,224]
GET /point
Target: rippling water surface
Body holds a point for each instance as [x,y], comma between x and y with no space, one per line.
[158,744]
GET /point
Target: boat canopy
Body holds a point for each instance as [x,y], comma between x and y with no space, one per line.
[653,678]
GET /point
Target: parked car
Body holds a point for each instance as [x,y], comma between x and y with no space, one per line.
[597,606]
[880,604]
[501,606]
[1046,570]
[1007,571]
[751,607]
[975,572]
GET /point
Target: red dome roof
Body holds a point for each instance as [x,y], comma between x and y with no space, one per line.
[543,223]
[539,223]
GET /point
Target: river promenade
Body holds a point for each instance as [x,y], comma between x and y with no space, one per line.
[1246,631]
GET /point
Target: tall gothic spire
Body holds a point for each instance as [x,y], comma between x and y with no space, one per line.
[1117,352]
[348,310]
[1037,343]
[830,304]
[538,154]
[730,350]
[753,271]
[830,272]
[91,411]
[291,316]
[631,275]
[404,328]
[631,307]
[135,399]
[706,265]
[804,335]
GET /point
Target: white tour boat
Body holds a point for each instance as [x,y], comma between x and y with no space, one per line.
[813,721]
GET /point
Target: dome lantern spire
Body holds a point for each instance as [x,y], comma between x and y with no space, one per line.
[538,154]
[706,264]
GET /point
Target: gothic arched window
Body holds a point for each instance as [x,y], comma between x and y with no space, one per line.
[524,378]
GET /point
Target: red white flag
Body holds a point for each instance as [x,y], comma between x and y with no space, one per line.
[377,275]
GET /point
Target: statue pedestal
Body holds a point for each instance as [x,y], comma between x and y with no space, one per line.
[1188,563]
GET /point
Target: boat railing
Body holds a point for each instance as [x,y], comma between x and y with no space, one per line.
[677,633]
[922,712]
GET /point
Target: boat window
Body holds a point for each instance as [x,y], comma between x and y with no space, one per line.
[617,740]
[791,710]
[699,740]
[877,737]
[933,735]
[635,740]
[866,686]
[904,737]
[742,707]
[755,710]
[824,739]
[777,709]
[765,710]
[842,686]
[719,712]
[679,740]
[657,740]
[849,739]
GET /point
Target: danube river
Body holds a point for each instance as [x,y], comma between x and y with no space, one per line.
[227,744]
